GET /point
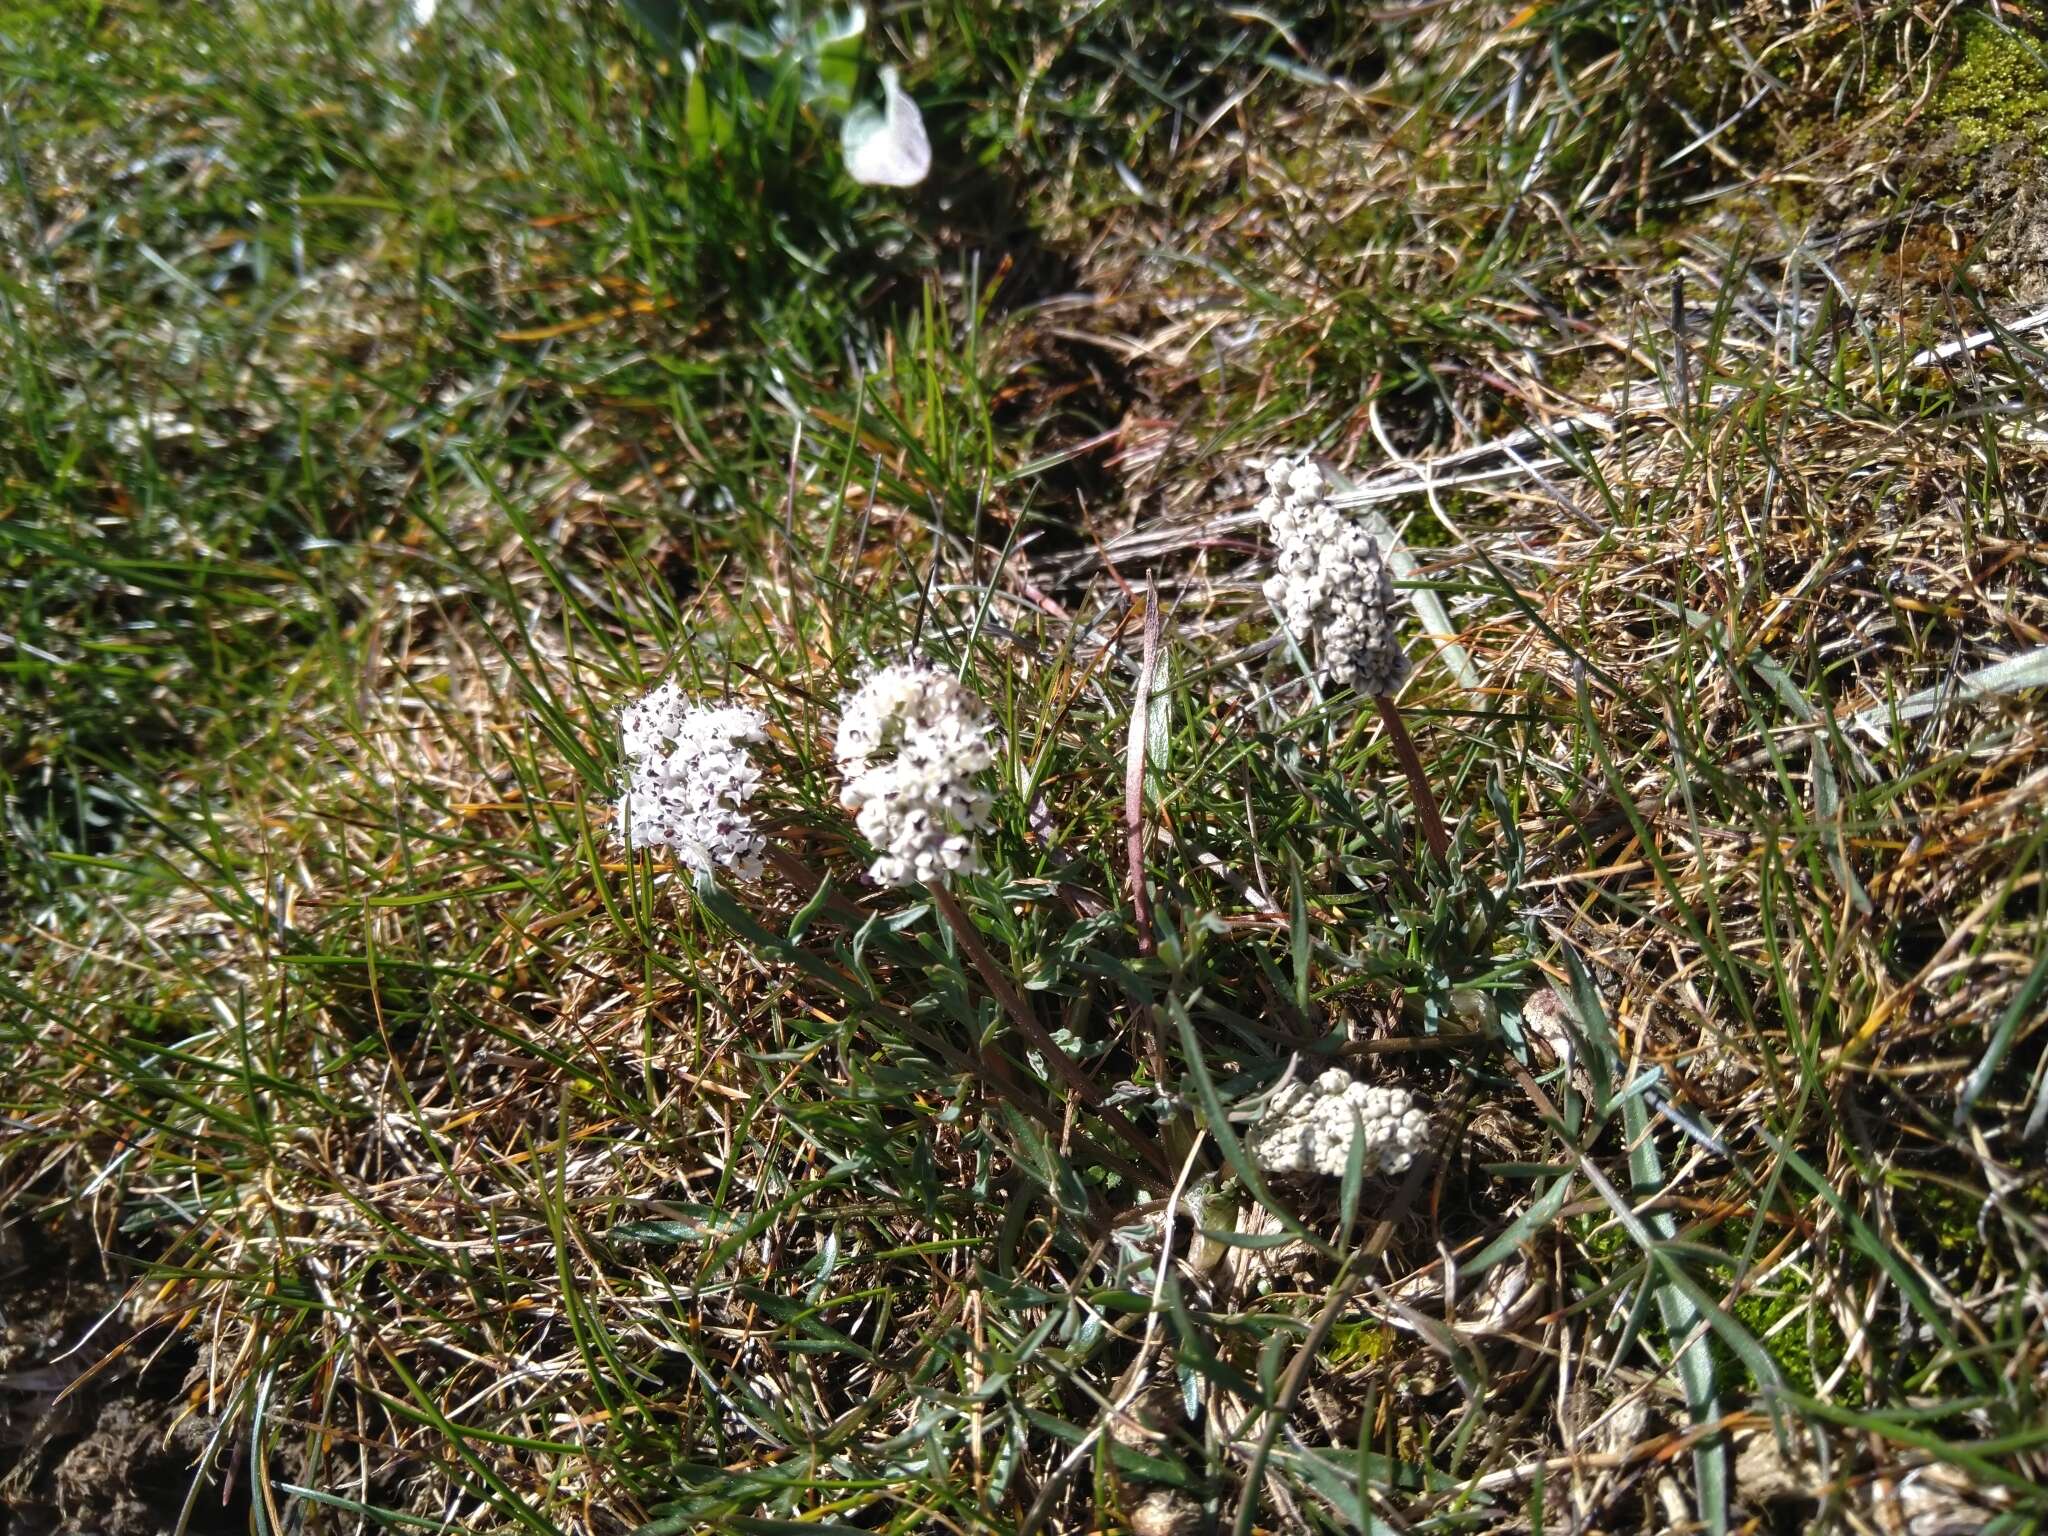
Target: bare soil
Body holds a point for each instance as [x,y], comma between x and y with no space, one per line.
[96,1438]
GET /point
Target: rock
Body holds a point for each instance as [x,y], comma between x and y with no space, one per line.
[1167,1512]
[1765,1474]
[1934,1500]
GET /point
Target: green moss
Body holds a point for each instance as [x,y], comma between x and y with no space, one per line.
[1998,90]
[1940,1218]
[1601,1237]
[1807,1349]
[1951,1213]
[1356,1344]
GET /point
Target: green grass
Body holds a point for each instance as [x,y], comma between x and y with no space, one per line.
[381,412]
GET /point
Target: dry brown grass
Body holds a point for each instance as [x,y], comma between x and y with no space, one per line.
[482,1175]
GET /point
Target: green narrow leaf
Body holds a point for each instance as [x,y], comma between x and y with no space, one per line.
[1159,725]
[807,913]
[1542,1211]
[2015,674]
[1827,810]
[1354,1182]
[1595,1042]
[2001,1040]
[697,132]
[835,43]
[1676,1306]
[1298,932]
[376,1512]
[662,20]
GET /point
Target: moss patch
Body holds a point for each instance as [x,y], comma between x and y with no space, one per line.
[1998,90]
[1355,1345]
[1807,1349]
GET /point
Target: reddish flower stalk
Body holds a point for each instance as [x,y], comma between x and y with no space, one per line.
[1418,781]
[1035,1034]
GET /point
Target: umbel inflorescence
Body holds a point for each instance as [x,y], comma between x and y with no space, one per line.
[1330,581]
[911,743]
[1310,1127]
[688,779]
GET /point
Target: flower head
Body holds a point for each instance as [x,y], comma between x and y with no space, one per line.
[910,742]
[1309,1127]
[1330,581]
[688,779]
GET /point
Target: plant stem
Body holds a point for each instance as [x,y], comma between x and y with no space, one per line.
[1035,1034]
[993,1069]
[1418,781]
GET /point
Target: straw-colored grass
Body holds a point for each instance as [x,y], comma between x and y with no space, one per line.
[387,1147]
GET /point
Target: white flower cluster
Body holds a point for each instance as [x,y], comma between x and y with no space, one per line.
[1309,1127]
[688,779]
[910,742]
[1330,583]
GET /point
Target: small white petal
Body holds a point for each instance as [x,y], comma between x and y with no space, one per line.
[887,148]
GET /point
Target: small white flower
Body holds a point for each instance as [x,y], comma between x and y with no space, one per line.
[688,779]
[1309,1127]
[1330,581]
[127,434]
[886,148]
[910,742]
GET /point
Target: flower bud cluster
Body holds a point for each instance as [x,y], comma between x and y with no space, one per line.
[1330,581]
[911,742]
[1310,1127]
[688,779]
